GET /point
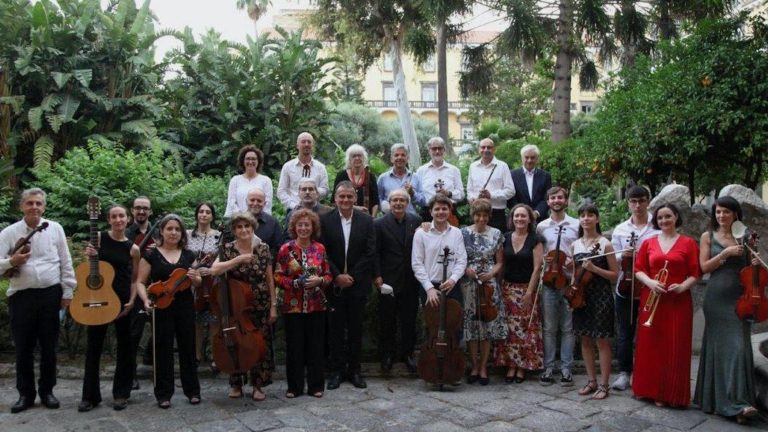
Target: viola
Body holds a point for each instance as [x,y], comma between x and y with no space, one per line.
[441,360]
[485,310]
[627,282]
[554,274]
[753,304]
[236,342]
[203,293]
[581,278]
[161,293]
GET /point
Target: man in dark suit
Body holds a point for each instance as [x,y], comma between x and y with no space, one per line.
[350,244]
[531,183]
[394,242]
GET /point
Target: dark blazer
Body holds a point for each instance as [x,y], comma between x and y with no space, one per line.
[393,258]
[361,254]
[542,181]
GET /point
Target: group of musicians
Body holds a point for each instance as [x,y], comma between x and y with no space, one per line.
[547,276]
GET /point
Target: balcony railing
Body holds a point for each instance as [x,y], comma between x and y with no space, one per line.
[455,105]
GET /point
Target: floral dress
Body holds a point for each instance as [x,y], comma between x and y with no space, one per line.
[255,272]
[481,256]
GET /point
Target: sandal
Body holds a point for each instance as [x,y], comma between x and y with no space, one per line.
[660,404]
[601,393]
[511,374]
[589,387]
[194,400]
[258,395]
[235,392]
[290,395]
[317,394]
[164,404]
[747,413]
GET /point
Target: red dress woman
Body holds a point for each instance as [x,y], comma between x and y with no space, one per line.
[663,355]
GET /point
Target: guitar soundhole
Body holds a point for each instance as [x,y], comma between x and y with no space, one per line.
[95,281]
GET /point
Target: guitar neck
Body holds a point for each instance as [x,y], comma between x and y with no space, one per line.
[93,261]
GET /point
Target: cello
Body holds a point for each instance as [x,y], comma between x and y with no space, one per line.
[581,278]
[236,342]
[485,310]
[554,275]
[753,304]
[441,360]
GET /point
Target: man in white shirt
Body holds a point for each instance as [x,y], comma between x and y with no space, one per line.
[438,177]
[428,254]
[557,316]
[42,286]
[490,178]
[639,224]
[303,166]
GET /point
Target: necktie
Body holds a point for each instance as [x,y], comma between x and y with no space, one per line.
[305,172]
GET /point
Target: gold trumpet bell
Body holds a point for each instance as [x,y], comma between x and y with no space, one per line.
[652,302]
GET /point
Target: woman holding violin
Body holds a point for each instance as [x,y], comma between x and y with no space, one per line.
[203,241]
[248,259]
[594,275]
[177,319]
[725,383]
[484,317]
[523,348]
[304,275]
[667,266]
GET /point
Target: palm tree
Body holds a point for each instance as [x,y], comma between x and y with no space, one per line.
[255,9]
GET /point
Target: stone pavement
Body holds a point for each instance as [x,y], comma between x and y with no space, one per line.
[399,403]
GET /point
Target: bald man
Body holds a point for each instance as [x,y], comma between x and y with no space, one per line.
[269,230]
[303,166]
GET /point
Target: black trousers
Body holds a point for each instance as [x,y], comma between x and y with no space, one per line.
[498,220]
[177,321]
[34,316]
[138,320]
[393,310]
[124,367]
[346,332]
[626,331]
[304,346]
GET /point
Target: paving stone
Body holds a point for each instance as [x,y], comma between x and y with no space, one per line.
[715,423]
[302,419]
[259,420]
[499,426]
[683,419]
[550,421]
[230,425]
[442,426]
[581,409]
[610,421]
[460,415]
[506,409]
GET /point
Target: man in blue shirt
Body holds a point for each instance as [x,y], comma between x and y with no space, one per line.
[397,177]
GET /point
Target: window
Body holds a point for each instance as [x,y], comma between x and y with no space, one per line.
[388,91]
[429,64]
[587,106]
[467,132]
[388,62]
[573,106]
[429,94]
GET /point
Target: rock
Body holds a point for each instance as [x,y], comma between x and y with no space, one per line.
[745,196]
[676,194]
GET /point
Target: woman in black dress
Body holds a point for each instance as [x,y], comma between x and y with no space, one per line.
[177,321]
[114,248]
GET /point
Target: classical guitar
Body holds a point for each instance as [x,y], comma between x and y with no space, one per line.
[23,246]
[94,301]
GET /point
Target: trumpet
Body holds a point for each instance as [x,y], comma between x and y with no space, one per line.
[652,302]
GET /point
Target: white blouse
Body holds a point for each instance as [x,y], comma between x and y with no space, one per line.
[239,186]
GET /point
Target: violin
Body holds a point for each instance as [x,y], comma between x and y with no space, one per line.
[627,282]
[161,293]
[581,278]
[753,304]
[453,219]
[236,342]
[485,310]
[554,275]
[23,246]
[203,292]
[441,360]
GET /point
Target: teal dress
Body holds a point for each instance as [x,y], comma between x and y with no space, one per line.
[725,383]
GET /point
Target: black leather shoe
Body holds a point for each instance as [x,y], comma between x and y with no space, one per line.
[386,364]
[135,385]
[334,381]
[357,380]
[85,406]
[410,363]
[22,405]
[471,379]
[50,401]
[484,381]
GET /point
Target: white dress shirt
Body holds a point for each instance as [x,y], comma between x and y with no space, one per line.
[548,230]
[622,234]
[500,184]
[49,263]
[529,181]
[237,195]
[290,176]
[430,175]
[427,254]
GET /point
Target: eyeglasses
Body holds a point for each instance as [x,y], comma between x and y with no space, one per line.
[635,201]
[140,209]
[436,148]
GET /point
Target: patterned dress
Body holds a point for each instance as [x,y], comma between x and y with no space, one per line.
[203,244]
[481,256]
[255,273]
[596,318]
[524,346]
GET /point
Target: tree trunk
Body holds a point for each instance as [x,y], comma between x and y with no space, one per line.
[403,108]
[442,82]
[561,108]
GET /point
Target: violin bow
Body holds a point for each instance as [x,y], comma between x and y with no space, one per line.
[536,296]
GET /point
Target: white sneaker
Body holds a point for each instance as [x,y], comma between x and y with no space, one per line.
[622,382]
